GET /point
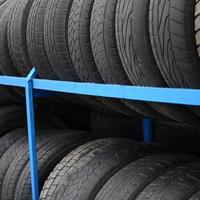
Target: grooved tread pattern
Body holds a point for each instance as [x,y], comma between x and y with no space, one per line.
[10,138]
[133,41]
[128,182]
[52,146]
[56,39]
[177,183]
[35,40]
[6,64]
[84,171]
[17,37]
[106,54]
[10,155]
[173,41]
[172,32]
[81,52]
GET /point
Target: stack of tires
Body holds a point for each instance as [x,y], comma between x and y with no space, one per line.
[128,42]
[73,165]
[131,42]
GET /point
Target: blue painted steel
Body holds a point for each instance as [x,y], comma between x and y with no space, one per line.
[13,81]
[31,134]
[151,94]
[147,130]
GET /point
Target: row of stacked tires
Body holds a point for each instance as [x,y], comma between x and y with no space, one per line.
[75,165]
[131,42]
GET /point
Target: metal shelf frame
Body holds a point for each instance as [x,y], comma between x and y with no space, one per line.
[36,88]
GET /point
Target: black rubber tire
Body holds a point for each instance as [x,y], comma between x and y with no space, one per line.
[176,19]
[176,55]
[104,47]
[36,47]
[133,41]
[56,45]
[84,171]
[17,37]
[14,143]
[6,64]
[81,51]
[175,184]
[129,181]
[51,149]
[12,152]
[10,138]
[8,157]
[7,91]
[35,40]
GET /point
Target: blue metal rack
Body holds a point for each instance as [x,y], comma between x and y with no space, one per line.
[35,87]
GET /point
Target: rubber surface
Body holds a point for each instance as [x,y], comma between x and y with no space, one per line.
[10,138]
[176,184]
[106,54]
[58,49]
[35,40]
[84,171]
[17,37]
[133,41]
[81,51]
[173,42]
[10,154]
[6,65]
[176,54]
[128,182]
[51,149]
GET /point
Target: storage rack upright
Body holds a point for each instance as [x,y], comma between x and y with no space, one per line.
[38,88]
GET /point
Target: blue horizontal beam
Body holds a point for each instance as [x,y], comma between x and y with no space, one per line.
[13,81]
[151,94]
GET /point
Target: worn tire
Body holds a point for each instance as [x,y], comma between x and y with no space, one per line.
[58,49]
[175,184]
[6,64]
[177,25]
[106,54]
[84,171]
[133,41]
[51,149]
[17,37]
[9,155]
[176,55]
[10,138]
[129,181]
[35,40]
[81,51]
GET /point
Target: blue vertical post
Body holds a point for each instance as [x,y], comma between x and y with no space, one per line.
[31,134]
[147,130]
